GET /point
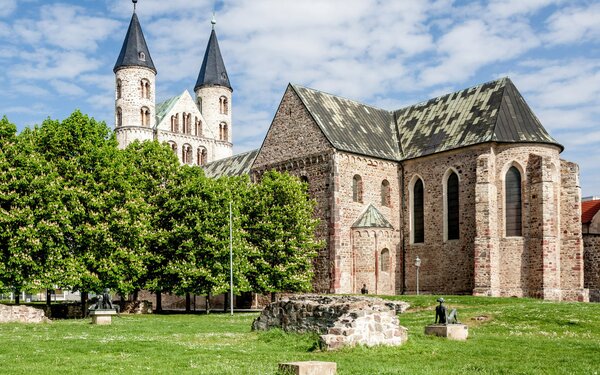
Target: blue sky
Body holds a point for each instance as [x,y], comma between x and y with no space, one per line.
[57,56]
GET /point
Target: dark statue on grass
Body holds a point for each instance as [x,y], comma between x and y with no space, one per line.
[441,314]
[104,302]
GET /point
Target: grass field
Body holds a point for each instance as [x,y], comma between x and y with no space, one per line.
[519,336]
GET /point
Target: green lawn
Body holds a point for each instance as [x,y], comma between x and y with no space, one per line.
[520,336]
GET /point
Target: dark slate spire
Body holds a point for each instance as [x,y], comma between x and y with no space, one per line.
[212,72]
[134,51]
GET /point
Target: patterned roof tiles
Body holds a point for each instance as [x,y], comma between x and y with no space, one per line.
[372,218]
[236,165]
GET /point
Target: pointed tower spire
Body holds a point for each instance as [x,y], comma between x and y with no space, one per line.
[134,51]
[212,72]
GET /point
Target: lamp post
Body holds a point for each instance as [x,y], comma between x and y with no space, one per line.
[418,265]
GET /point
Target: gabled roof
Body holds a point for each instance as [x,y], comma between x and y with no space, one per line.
[589,210]
[350,125]
[490,112]
[371,218]
[493,111]
[164,107]
[134,51]
[212,72]
[236,165]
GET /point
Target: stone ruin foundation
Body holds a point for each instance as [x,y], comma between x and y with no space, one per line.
[340,320]
[22,314]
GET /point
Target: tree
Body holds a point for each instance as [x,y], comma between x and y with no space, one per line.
[194,213]
[281,226]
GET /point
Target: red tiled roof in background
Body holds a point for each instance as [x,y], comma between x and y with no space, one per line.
[588,210]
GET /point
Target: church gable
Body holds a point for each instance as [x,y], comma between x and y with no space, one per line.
[293,133]
[170,115]
[352,126]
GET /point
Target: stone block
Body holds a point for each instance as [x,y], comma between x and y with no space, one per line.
[458,332]
[308,368]
[102,317]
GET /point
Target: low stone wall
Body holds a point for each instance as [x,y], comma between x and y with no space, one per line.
[22,314]
[340,320]
[136,307]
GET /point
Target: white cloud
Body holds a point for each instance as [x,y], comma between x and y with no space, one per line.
[473,44]
[66,27]
[574,25]
[47,64]
[508,8]
[7,7]
[67,88]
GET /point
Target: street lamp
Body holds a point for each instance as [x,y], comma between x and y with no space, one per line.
[418,265]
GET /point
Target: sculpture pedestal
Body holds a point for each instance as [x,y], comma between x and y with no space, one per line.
[450,331]
[308,368]
[103,317]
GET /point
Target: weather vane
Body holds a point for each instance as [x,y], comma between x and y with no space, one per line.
[213,21]
[134,4]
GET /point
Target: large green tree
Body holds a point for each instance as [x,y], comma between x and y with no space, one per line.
[280,224]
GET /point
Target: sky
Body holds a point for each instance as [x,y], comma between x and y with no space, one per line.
[58,56]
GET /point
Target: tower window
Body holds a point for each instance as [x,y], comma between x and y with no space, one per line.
[513,202]
[173,146]
[418,223]
[119,116]
[119,89]
[385,193]
[142,56]
[223,105]
[357,189]
[223,132]
[145,113]
[145,88]
[452,207]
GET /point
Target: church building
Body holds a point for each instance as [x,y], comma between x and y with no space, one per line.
[470,183]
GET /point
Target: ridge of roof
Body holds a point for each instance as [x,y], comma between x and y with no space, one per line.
[212,71]
[134,51]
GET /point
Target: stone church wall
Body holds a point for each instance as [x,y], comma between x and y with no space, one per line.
[446,266]
[295,144]
[591,254]
[359,251]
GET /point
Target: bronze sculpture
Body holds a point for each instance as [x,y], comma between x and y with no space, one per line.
[441,314]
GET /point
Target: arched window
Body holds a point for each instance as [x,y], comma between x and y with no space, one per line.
[452,207]
[173,146]
[202,156]
[513,202]
[198,127]
[385,193]
[145,87]
[145,113]
[418,222]
[357,189]
[176,123]
[173,129]
[184,122]
[188,128]
[119,89]
[142,56]
[186,154]
[223,132]
[223,105]
[384,260]
[199,101]
[119,116]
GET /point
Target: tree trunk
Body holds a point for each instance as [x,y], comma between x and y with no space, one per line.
[136,296]
[273,296]
[84,298]
[208,303]
[225,301]
[159,301]
[17,297]
[188,303]
[48,297]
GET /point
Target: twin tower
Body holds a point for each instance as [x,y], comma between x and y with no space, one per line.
[197,129]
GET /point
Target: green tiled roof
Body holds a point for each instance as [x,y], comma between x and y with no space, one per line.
[164,107]
[371,218]
[493,111]
[236,165]
[352,126]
